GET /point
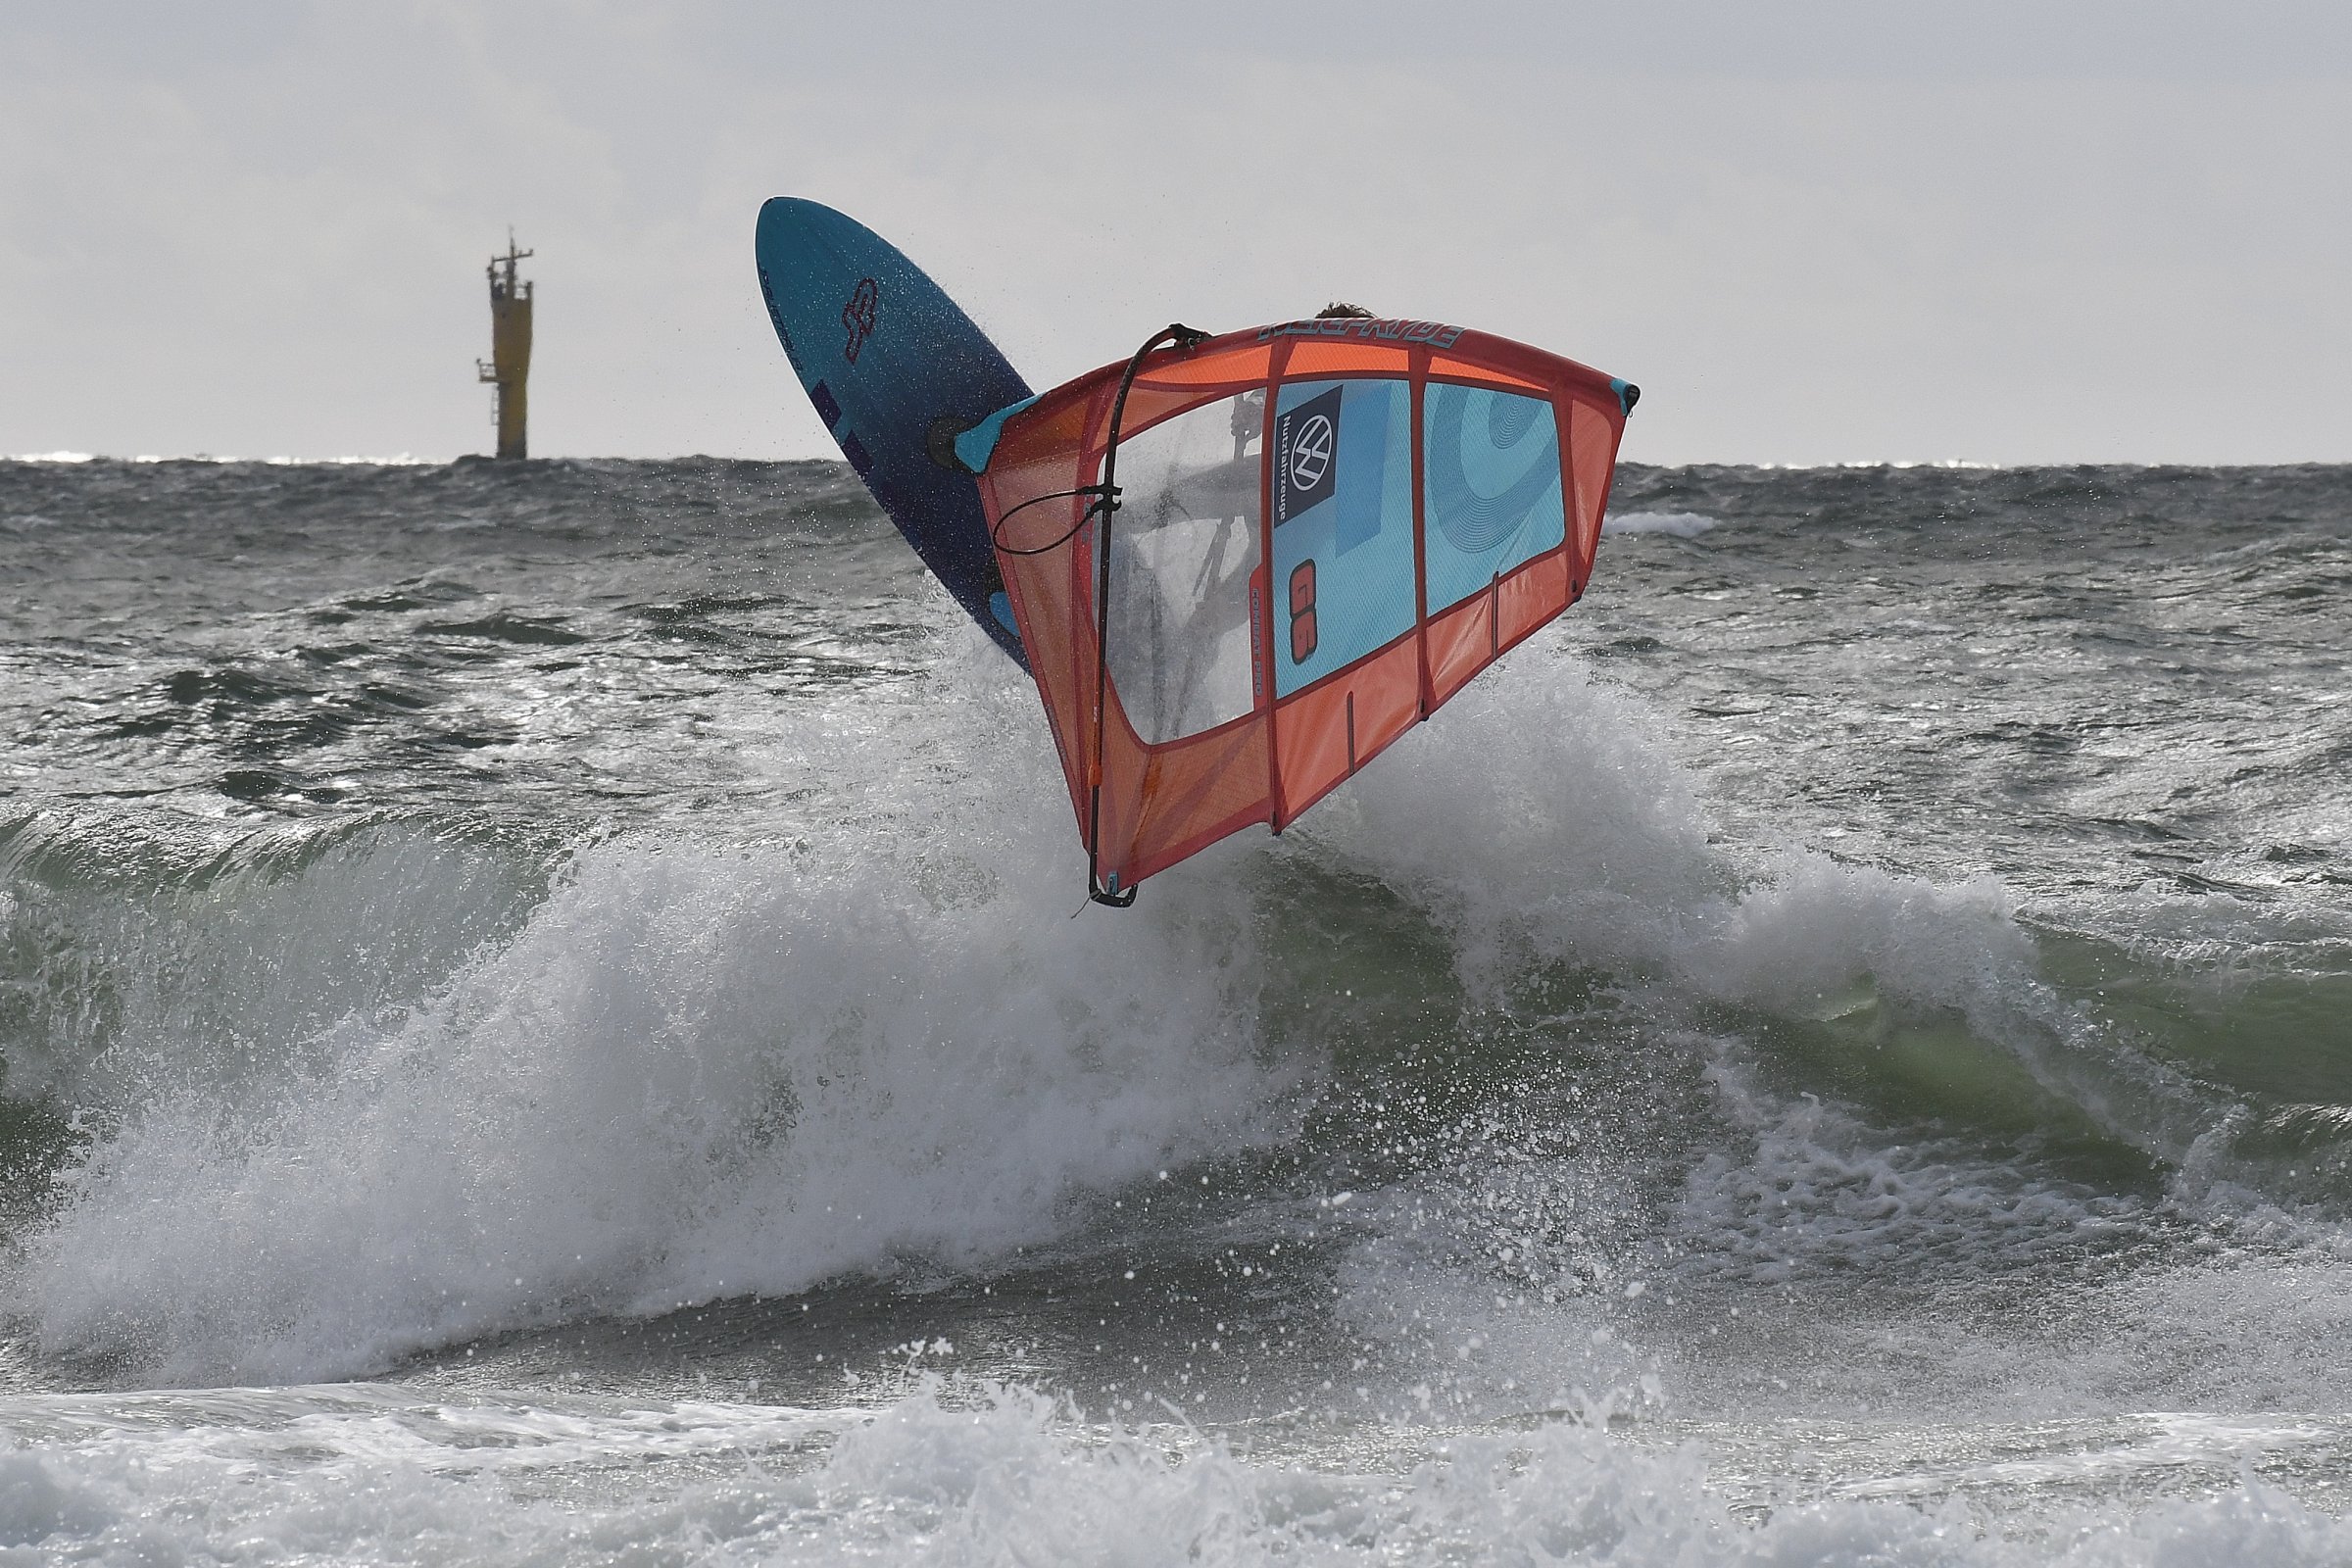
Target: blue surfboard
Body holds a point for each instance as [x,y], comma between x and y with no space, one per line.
[896,370]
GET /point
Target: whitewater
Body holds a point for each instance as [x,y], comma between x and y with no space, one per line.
[541,1020]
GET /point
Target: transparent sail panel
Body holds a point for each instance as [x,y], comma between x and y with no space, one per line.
[1182,549]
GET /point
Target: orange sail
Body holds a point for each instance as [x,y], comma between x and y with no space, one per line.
[1321,531]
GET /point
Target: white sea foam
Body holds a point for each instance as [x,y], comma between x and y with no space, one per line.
[1536,800]
[1542,813]
[1541,816]
[1681,524]
[697,1068]
[1540,819]
[1003,1476]
[714,1065]
[695,1072]
[1893,463]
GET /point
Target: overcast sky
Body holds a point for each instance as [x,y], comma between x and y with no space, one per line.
[1995,231]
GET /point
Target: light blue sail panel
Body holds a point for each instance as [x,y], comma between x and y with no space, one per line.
[1343,580]
[1492,461]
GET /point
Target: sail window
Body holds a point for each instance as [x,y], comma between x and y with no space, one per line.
[1182,546]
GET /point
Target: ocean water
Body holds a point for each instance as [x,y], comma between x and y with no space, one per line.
[547,1017]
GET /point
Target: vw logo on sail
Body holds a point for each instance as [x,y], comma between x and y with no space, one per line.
[1306,451]
[1310,454]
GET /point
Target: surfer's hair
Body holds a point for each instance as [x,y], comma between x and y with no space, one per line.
[1341,310]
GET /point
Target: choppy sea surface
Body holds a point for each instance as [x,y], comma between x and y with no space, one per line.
[543,1022]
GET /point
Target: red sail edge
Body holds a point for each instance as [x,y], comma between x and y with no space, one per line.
[1238,696]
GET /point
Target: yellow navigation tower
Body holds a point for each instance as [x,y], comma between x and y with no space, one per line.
[510,363]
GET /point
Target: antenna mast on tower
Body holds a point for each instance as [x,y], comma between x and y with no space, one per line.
[510,363]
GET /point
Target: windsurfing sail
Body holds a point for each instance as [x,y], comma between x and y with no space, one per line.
[1244,565]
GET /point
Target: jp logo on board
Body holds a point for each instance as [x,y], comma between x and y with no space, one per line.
[1306,443]
[859,317]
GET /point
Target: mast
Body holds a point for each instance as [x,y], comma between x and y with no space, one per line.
[510,363]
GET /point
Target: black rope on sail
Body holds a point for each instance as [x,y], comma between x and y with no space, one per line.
[1107,505]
